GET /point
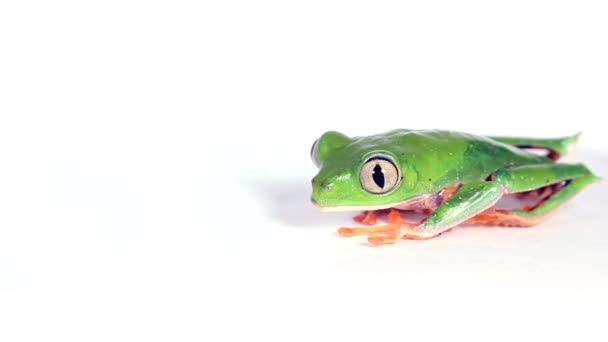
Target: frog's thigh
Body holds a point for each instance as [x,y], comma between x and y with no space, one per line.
[530,177]
[470,200]
[525,178]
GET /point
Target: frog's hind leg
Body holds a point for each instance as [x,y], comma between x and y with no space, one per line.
[563,181]
[554,148]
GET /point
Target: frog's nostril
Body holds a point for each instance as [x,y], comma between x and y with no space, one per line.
[321,185]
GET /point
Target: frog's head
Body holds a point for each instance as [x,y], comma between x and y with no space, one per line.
[358,173]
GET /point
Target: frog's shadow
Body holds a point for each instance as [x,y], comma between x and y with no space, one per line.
[289,202]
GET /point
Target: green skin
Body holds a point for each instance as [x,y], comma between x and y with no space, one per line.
[486,168]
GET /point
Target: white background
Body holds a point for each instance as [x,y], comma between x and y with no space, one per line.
[155,170]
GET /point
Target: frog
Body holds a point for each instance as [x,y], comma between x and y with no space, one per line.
[450,177]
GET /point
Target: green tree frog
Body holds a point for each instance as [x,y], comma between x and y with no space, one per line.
[452,177]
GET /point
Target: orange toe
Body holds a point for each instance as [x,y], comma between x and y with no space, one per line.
[360,217]
[368,218]
[527,207]
[382,240]
[395,216]
[375,240]
[345,231]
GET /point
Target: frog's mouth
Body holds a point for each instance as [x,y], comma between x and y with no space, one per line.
[331,208]
[426,201]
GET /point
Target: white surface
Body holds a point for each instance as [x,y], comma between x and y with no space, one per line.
[155,169]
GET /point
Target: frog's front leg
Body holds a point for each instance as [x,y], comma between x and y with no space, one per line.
[470,200]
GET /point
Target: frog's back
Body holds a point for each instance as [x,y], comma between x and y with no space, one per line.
[442,158]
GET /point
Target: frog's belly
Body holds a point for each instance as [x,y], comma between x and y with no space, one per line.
[429,201]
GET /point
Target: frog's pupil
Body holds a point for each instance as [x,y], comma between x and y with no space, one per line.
[378,176]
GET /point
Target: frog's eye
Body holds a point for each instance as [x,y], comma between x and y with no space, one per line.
[379,175]
[314,153]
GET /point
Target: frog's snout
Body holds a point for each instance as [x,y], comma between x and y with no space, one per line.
[320,191]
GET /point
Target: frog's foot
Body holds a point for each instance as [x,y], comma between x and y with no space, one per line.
[394,217]
[368,218]
[410,232]
[506,218]
[396,229]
